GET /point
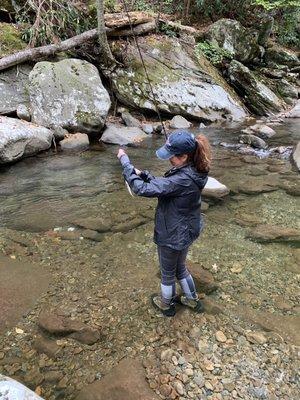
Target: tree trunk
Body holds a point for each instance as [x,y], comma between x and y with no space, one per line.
[108,61]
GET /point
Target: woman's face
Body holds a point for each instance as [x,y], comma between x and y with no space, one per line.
[178,161]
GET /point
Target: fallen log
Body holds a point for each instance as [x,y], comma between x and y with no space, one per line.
[142,23]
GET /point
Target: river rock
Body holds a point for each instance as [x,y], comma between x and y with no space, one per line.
[215,189]
[23,112]
[75,142]
[13,88]
[148,128]
[20,139]
[182,83]
[286,90]
[98,224]
[46,346]
[204,280]
[178,122]
[13,390]
[274,233]
[258,97]
[295,112]
[296,156]
[70,94]
[220,336]
[126,381]
[253,141]
[280,55]
[60,325]
[261,130]
[122,135]
[230,35]
[129,120]
[256,337]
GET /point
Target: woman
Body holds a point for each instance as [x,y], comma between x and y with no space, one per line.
[178,219]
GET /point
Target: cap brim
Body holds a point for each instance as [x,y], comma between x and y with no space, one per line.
[163,153]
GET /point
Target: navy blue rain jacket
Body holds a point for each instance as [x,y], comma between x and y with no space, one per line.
[178,219]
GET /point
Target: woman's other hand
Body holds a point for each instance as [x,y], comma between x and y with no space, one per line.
[137,171]
[121,153]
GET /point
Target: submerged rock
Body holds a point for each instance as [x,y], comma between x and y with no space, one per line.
[70,94]
[258,97]
[122,135]
[274,233]
[13,88]
[230,35]
[13,390]
[182,83]
[215,189]
[253,141]
[20,139]
[178,122]
[75,142]
[126,381]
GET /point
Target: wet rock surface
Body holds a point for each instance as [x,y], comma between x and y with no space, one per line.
[20,139]
[122,135]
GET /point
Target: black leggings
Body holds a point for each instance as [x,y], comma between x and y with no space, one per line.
[172,266]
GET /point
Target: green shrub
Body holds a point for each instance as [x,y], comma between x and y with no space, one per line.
[213,53]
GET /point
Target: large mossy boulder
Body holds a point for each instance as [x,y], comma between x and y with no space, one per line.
[20,139]
[282,56]
[230,35]
[13,88]
[258,97]
[182,84]
[70,94]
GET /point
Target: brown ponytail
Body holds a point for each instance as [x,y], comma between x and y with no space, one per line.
[201,157]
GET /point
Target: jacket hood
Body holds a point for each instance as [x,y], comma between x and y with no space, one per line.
[200,179]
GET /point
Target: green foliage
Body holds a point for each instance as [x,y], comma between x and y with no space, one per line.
[213,53]
[53,20]
[167,30]
[276,4]
[287,29]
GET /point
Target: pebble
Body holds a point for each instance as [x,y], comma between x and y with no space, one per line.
[189,372]
[208,385]
[199,379]
[220,336]
[178,387]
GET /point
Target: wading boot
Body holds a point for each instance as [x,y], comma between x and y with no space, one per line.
[168,310]
[194,304]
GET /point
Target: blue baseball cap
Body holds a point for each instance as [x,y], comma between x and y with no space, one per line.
[181,142]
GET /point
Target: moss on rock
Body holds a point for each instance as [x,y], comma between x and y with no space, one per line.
[10,39]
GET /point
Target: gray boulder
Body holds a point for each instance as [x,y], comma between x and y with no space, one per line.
[70,94]
[258,97]
[261,130]
[13,390]
[178,122]
[253,141]
[75,142]
[279,55]
[183,83]
[122,135]
[296,156]
[13,88]
[129,120]
[148,128]
[20,139]
[215,189]
[231,36]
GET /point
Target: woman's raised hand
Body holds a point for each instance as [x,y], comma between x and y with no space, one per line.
[121,153]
